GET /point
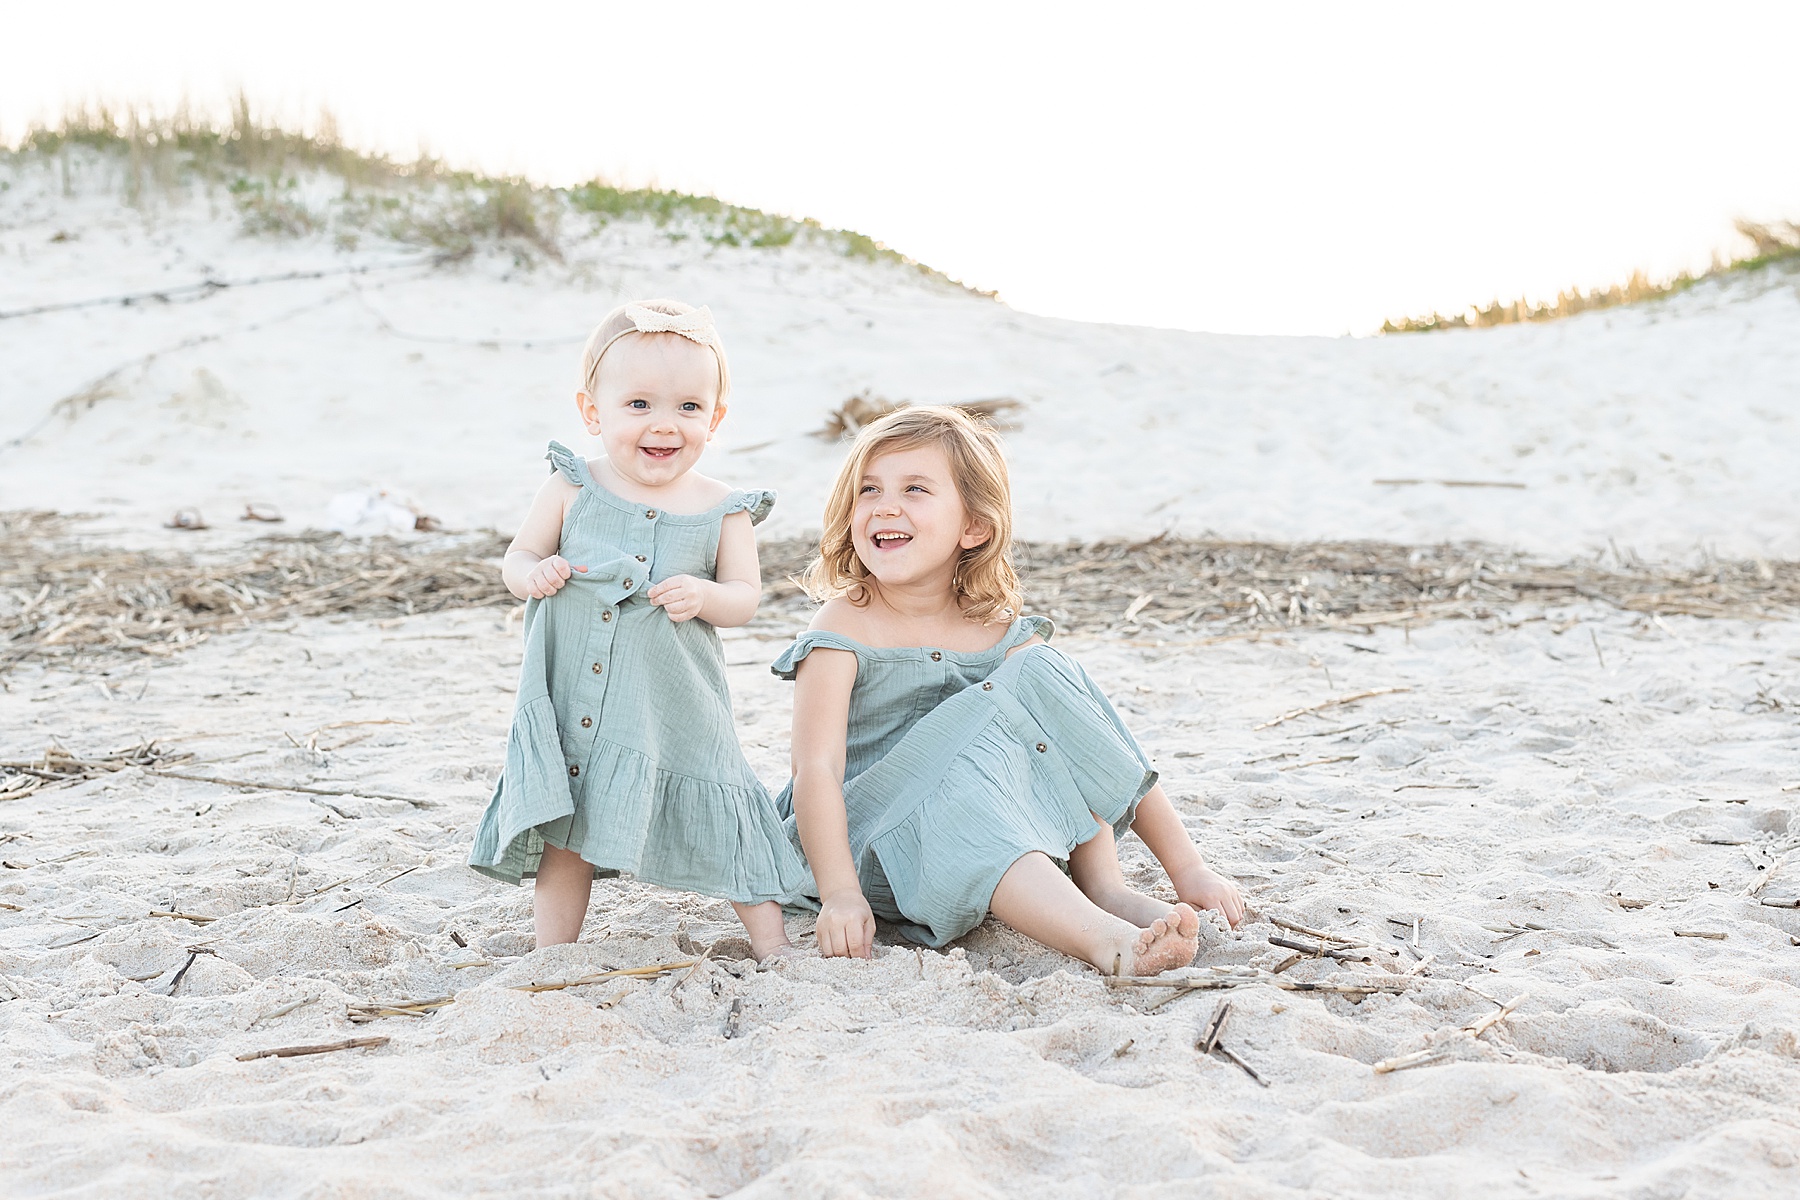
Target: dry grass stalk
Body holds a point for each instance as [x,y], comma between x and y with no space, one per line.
[58,765]
[1321,950]
[361,1014]
[1393,983]
[1323,705]
[63,599]
[651,971]
[365,1043]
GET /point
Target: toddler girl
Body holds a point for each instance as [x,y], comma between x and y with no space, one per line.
[945,759]
[622,756]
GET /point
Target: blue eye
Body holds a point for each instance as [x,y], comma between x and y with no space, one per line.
[916,487]
[690,406]
[865,489]
[639,404]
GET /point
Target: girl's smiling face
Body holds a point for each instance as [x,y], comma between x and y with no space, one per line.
[655,406]
[910,526]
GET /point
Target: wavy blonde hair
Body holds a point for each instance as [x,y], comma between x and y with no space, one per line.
[987,584]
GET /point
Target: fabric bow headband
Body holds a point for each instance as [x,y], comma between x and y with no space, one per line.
[695,326]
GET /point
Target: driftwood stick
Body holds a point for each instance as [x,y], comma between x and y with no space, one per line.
[1209,1037]
[1392,983]
[1478,1027]
[732,1017]
[652,969]
[181,916]
[291,787]
[1321,707]
[1319,950]
[362,1043]
[1241,1065]
[1417,1058]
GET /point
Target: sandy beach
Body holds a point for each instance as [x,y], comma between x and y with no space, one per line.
[1540,848]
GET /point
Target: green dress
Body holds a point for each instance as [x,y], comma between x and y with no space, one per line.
[957,765]
[622,746]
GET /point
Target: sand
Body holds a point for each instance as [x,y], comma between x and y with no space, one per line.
[1551,794]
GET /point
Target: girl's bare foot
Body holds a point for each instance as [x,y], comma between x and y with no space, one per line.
[1170,942]
[774,954]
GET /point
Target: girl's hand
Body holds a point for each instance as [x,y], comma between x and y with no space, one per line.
[1204,887]
[679,595]
[846,925]
[548,576]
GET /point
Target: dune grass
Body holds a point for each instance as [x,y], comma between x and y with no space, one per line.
[294,183]
[1771,244]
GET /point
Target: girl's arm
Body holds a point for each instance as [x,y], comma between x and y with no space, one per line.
[731,597]
[821,726]
[533,567]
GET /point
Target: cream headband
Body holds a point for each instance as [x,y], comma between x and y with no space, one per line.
[696,326]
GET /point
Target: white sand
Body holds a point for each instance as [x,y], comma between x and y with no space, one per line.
[1519,782]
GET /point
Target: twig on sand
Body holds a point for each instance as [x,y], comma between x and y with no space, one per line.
[362,1043]
[1327,936]
[1595,638]
[1320,950]
[293,787]
[194,953]
[1392,983]
[364,1013]
[1322,706]
[1209,1036]
[1209,1043]
[1431,1054]
[181,916]
[1119,1050]
[1782,902]
[284,1010]
[1481,1025]
[732,1017]
[1417,1058]
[654,969]
[1714,935]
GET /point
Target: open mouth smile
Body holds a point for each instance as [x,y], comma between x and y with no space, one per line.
[889,539]
[660,452]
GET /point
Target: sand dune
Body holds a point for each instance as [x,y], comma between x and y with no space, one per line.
[1554,795]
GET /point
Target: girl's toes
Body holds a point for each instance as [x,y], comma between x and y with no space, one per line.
[1186,921]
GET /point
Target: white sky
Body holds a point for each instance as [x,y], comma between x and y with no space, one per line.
[1297,168]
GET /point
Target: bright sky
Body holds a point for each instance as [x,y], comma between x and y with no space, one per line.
[1244,168]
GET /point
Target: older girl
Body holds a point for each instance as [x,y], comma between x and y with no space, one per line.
[945,759]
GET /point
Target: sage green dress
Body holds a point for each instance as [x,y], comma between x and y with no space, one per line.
[622,746]
[957,765]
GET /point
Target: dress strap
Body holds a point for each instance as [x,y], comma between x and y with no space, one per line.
[788,665]
[573,467]
[757,502]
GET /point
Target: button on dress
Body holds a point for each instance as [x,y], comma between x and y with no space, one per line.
[622,746]
[959,764]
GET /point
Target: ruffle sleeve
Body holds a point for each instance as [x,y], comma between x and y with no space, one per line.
[568,464]
[757,503]
[788,665]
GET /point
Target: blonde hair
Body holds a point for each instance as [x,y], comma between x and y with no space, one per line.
[621,321]
[987,585]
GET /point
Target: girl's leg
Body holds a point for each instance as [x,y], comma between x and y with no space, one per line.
[1197,884]
[1094,865]
[767,930]
[560,900]
[1039,901]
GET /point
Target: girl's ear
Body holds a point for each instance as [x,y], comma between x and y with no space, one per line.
[590,412]
[718,415]
[976,533]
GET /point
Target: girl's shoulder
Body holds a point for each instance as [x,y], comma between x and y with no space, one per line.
[844,626]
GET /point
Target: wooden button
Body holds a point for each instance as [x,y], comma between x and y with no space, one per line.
[597,668]
[574,771]
[607,615]
[987,687]
[650,514]
[936,657]
[587,722]
[640,558]
[1042,748]
[628,584]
